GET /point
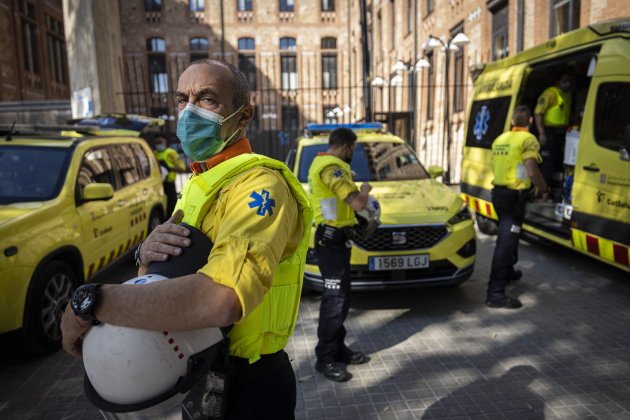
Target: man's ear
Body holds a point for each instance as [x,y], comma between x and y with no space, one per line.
[246,116]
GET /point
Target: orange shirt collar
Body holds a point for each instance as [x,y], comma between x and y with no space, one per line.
[520,129]
[241,147]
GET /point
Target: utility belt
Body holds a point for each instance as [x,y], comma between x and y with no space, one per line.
[243,372]
[528,195]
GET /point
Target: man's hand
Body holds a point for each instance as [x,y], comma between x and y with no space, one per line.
[167,239]
[542,137]
[366,188]
[73,329]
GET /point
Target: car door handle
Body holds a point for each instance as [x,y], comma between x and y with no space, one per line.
[121,202]
[591,168]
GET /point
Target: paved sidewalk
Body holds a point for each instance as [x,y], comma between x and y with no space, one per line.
[436,353]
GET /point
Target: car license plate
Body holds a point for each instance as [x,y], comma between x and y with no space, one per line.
[398,262]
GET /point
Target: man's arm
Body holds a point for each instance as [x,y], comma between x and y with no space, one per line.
[536,176]
[542,136]
[357,200]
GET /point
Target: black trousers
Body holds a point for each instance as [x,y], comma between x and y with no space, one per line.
[552,153]
[271,396]
[171,197]
[334,265]
[510,207]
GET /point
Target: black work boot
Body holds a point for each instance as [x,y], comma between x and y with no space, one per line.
[505,301]
[515,276]
[334,371]
[350,357]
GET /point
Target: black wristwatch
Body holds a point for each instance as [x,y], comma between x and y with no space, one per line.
[84,300]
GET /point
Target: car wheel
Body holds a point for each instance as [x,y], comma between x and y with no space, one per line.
[51,291]
[155,219]
[486,225]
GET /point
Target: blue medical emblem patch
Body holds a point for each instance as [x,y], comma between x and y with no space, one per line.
[263,202]
[481,122]
[338,173]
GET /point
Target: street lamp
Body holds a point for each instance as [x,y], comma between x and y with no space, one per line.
[453,44]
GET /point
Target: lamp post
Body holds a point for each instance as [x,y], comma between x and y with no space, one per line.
[407,66]
[453,44]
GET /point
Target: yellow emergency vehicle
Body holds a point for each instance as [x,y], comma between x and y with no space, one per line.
[426,236]
[590,206]
[71,203]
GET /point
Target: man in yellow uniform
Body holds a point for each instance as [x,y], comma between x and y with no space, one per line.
[335,198]
[258,218]
[552,116]
[515,161]
[171,162]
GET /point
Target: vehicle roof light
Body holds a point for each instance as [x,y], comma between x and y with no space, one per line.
[315,129]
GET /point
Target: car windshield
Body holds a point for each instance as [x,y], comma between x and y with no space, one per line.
[372,161]
[31,173]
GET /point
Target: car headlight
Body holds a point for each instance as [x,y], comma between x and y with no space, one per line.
[461,215]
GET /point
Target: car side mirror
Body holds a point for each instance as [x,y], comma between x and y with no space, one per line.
[435,171]
[624,152]
[97,191]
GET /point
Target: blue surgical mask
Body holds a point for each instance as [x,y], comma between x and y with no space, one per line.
[199,130]
[160,147]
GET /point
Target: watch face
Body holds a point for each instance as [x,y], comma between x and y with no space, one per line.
[83,300]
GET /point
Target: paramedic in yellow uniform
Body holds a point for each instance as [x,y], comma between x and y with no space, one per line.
[258,218]
[335,198]
[515,161]
[552,116]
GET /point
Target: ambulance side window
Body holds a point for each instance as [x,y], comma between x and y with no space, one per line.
[611,114]
[487,121]
[96,166]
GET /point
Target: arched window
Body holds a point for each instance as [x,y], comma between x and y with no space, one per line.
[329,43]
[247,60]
[287,44]
[158,76]
[246,44]
[198,48]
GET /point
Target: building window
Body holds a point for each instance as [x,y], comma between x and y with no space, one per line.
[245,5]
[158,76]
[288,44]
[565,16]
[329,71]
[458,81]
[288,70]
[290,119]
[328,5]
[246,44]
[28,23]
[196,5]
[152,5]
[56,50]
[500,46]
[288,64]
[430,85]
[329,43]
[247,61]
[287,5]
[429,6]
[198,49]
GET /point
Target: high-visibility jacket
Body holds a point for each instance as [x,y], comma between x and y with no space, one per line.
[327,207]
[558,115]
[267,328]
[509,152]
[163,156]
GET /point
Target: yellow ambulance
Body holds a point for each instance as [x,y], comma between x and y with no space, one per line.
[590,206]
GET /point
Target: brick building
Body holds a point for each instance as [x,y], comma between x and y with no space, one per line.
[412,98]
[34,80]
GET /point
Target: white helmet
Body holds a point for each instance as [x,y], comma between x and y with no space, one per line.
[369,218]
[129,367]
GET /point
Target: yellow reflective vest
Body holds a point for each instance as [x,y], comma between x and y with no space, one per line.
[268,327]
[507,160]
[558,115]
[327,207]
[162,156]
